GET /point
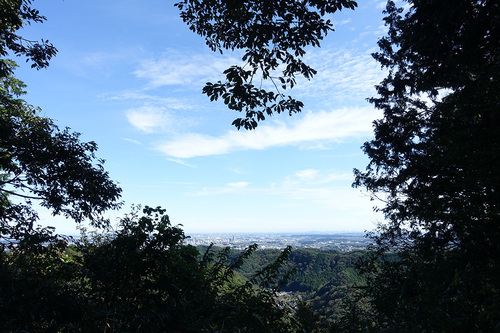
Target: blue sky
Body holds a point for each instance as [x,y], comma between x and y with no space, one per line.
[129,74]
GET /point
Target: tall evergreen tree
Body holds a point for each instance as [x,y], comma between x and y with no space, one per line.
[435,162]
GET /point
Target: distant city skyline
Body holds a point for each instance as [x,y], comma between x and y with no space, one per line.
[129,75]
[333,241]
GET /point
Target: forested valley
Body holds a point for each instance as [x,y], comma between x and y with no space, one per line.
[434,173]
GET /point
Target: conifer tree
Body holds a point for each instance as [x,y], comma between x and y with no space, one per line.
[435,163]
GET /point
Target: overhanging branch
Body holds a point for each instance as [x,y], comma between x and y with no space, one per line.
[19,195]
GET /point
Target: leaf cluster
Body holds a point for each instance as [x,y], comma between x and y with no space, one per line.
[39,161]
[273,36]
[14,15]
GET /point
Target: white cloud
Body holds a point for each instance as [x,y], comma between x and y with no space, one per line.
[315,177]
[344,76]
[323,126]
[236,187]
[94,64]
[238,184]
[147,118]
[339,23]
[331,190]
[179,183]
[337,176]
[170,102]
[133,141]
[181,162]
[305,187]
[175,68]
[307,174]
[192,145]
[381,5]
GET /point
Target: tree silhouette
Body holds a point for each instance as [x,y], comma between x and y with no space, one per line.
[435,163]
[273,36]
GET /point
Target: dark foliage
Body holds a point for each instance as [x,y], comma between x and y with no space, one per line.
[435,162]
[14,15]
[313,268]
[324,281]
[39,161]
[273,36]
[140,278]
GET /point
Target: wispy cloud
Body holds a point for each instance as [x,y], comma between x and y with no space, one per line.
[323,126]
[181,162]
[148,118]
[235,187]
[330,190]
[339,23]
[92,64]
[344,77]
[139,95]
[238,184]
[381,5]
[316,177]
[179,183]
[307,174]
[175,68]
[133,141]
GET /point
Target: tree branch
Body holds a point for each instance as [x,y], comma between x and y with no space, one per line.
[19,195]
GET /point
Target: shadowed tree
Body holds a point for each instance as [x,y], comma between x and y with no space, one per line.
[141,277]
[39,161]
[435,162]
